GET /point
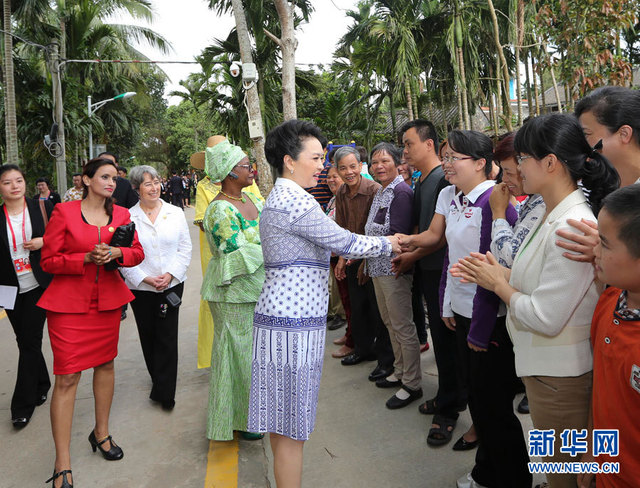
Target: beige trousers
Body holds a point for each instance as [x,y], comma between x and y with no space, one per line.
[394,303]
[560,403]
[335,303]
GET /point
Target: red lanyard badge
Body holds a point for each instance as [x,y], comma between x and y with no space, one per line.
[13,235]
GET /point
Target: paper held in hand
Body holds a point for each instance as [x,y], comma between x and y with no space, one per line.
[8,296]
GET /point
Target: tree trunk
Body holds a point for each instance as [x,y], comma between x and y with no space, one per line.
[463,91]
[528,78]
[493,110]
[10,122]
[460,111]
[445,122]
[520,39]
[407,91]
[555,87]
[498,96]
[505,68]
[253,99]
[392,109]
[288,44]
[414,101]
[553,78]
[542,86]
[536,93]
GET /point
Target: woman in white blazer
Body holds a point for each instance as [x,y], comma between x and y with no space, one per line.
[157,282]
[551,298]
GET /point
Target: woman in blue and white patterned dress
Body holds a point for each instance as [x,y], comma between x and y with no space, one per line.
[290,316]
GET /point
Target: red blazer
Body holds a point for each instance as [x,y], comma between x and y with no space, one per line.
[66,241]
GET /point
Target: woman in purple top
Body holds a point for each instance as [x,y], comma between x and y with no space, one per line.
[390,213]
[485,351]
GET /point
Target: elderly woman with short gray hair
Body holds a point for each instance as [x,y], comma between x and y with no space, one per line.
[391,210]
[157,283]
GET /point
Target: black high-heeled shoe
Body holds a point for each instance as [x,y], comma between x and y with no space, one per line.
[65,483]
[113,454]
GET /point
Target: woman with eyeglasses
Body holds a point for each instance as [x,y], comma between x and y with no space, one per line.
[231,285]
[485,352]
[551,298]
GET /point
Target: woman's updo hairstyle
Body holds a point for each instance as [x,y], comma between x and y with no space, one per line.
[90,169]
[613,107]
[287,139]
[562,136]
[472,143]
[391,149]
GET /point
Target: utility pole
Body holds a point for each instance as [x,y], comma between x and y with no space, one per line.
[253,99]
[58,110]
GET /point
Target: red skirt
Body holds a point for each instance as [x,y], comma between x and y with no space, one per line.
[83,340]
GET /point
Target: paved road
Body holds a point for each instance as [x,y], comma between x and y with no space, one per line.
[358,443]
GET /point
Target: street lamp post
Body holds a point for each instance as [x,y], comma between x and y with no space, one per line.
[93,107]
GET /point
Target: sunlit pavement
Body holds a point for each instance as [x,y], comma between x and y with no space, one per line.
[357,443]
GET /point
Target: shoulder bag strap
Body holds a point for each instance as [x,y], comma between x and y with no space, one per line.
[43,211]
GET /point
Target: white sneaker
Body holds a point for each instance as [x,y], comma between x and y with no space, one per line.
[467,481]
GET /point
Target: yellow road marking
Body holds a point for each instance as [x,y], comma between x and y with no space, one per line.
[222,465]
[3,314]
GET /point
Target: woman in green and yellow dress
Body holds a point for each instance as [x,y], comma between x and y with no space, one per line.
[231,285]
[205,193]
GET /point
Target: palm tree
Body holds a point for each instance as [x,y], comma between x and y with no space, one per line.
[11,128]
[194,86]
[83,33]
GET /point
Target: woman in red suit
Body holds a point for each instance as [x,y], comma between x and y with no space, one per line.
[83,305]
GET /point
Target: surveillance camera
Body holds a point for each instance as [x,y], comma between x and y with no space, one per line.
[235,69]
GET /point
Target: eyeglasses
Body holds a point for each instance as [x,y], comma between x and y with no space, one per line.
[248,167]
[519,159]
[454,159]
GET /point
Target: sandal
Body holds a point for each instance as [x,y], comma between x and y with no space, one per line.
[65,482]
[441,435]
[251,436]
[428,407]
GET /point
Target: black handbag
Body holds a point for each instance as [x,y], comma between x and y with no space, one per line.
[122,237]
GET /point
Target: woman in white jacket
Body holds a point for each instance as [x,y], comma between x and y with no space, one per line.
[551,298]
[158,282]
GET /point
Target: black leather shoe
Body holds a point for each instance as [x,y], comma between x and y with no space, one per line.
[379,373]
[20,422]
[394,402]
[385,383]
[168,405]
[523,406]
[41,400]
[113,454]
[464,445]
[335,323]
[356,358]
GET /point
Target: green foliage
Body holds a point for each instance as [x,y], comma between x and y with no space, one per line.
[586,35]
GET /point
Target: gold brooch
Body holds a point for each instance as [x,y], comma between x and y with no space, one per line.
[111,229]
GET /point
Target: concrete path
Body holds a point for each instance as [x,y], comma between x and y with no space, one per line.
[358,443]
